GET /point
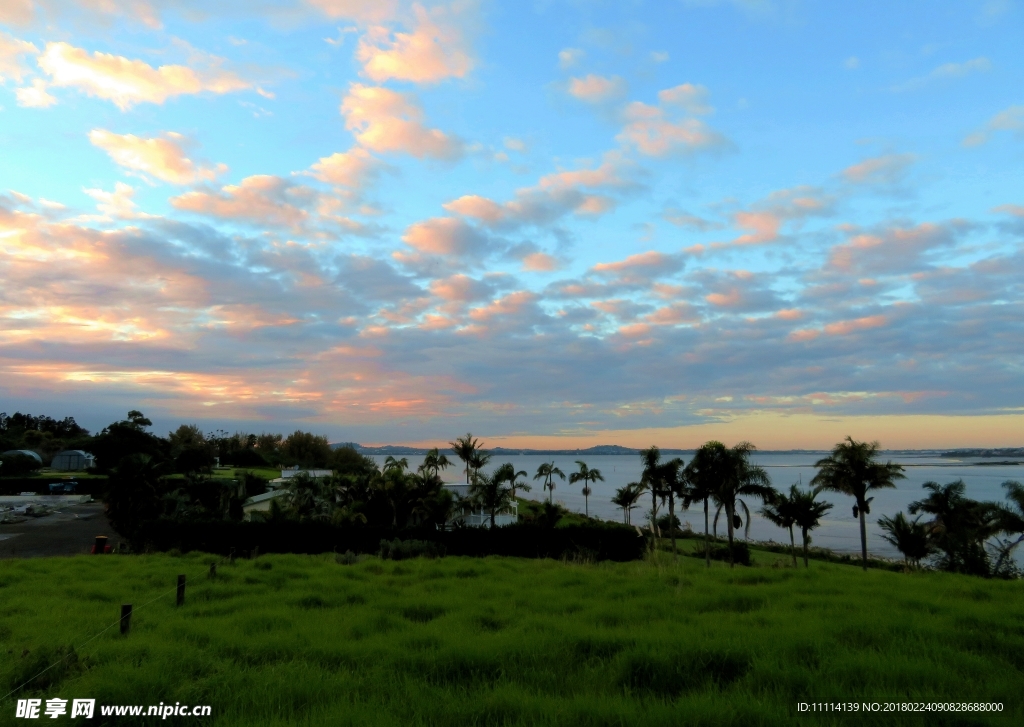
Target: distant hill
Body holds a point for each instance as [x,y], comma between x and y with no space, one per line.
[601,449]
[1004,452]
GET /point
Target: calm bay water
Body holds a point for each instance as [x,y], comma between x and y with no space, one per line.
[839,529]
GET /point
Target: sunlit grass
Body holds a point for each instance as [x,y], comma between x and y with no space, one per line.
[290,639]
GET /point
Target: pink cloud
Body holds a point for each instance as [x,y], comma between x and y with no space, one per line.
[650,261]
[161,157]
[372,11]
[804,334]
[128,82]
[510,304]
[691,97]
[436,49]
[1010,119]
[842,328]
[444,236]
[12,50]
[351,169]
[540,262]
[652,133]
[887,169]
[890,250]
[596,89]
[388,121]
[459,288]
[259,199]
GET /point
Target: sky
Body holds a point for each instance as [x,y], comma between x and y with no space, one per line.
[556,223]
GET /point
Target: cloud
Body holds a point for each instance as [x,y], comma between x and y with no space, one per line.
[945,72]
[646,264]
[851,63]
[653,131]
[570,57]
[1010,119]
[540,262]
[597,89]
[435,50]
[385,121]
[513,144]
[117,204]
[161,157]
[891,250]
[16,12]
[371,11]
[445,236]
[352,169]
[844,328]
[35,96]
[12,67]
[886,169]
[461,289]
[690,97]
[658,56]
[582,192]
[766,218]
[261,199]
[127,82]
[679,218]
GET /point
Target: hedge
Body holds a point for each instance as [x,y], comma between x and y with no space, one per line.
[596,541]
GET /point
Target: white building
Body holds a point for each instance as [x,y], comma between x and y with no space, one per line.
[289,472]
[475,516]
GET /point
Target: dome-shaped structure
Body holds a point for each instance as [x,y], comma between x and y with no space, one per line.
[72,460]
[24,453]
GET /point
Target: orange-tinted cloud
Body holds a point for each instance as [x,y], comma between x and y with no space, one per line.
[351,169]
[436,49]
[540,262]
[842,328]
[1010,119]
[371,11]
[650,130]
[444,236]
[12,52]
[887,169]
[388,121]
[693,98]
[161,157]
[259,199]
[597,89]
[127,82]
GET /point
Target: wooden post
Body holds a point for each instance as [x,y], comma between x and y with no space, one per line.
[101,544]
[213,570]
[181,590]
[126,618]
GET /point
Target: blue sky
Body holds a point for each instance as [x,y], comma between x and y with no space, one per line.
[572,221]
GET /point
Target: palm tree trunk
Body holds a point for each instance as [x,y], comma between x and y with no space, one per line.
[672,524]
[492,519]
[792,544]
[804,533]
[728,512]
[863,536]
[586,498]
[707,542]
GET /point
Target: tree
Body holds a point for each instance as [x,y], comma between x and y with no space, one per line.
[491,493]
[390,463]
[704,472]
[807,512]
[626,498]
[741,479]
[586,476]
[909,537]
[133,497]
[651,459]
[852,469]
[547,472]
[672,479]
[779,511]
[307,449]
[507,473]
[1011,522]
[434,462]
[959,526]
[479,460]
[464,448]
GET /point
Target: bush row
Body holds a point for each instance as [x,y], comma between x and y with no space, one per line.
[593,541]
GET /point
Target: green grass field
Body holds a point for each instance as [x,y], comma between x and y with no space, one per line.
[302,640]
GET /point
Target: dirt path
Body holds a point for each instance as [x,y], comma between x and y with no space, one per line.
[70,531]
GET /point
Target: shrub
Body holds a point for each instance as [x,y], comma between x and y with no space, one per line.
[399,550]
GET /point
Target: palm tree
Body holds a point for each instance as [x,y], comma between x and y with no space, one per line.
[671,477]
[507,473]
[464,447]
[741,479]
[705,471]
[1011,521]
[851,469]
[390,463]
[547,471]
[586,476]
[478,460]
[807,513]
[491,493]
[910,537]
[626,498]
[651,459]
[434,462]
[779,511]
[959,526]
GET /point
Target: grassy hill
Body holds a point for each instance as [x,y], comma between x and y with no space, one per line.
[306,640]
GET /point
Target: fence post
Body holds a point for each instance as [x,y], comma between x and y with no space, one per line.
[101,545]
[181,590]
[126,618]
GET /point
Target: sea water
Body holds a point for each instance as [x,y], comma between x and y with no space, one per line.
[839,530]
